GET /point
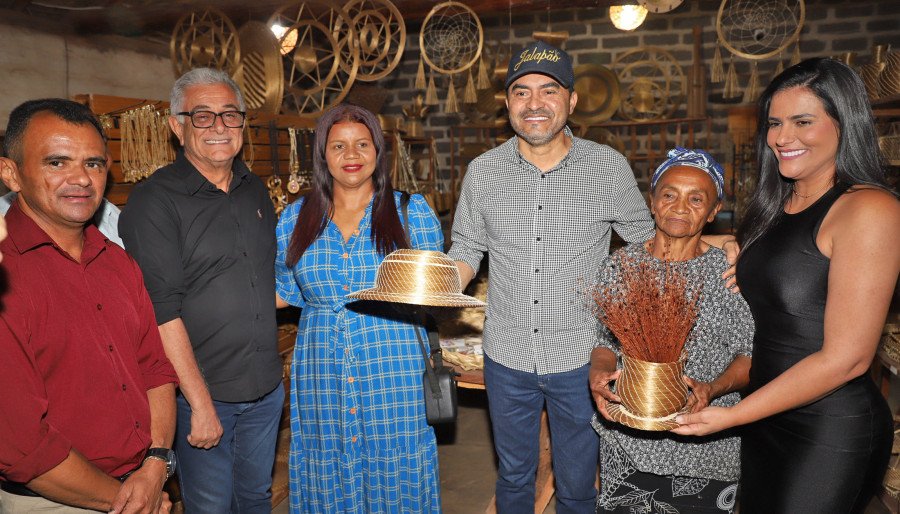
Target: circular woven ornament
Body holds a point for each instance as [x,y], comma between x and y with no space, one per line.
[653,85]
[260,74]
[204,39]
[451,38]
[598,93]
[759,29]
[381,36]
[316,41]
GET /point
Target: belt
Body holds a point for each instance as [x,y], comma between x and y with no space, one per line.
[20,489]
[17,488]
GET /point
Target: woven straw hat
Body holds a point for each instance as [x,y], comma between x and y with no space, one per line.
[418,277]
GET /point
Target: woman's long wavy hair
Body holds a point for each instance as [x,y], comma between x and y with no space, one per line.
[858,160]
[388,233]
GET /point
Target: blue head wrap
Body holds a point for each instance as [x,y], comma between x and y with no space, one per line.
[695,159]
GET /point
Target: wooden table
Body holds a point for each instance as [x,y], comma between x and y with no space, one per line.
[543,486]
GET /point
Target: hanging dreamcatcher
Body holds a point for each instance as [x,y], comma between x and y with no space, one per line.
[204,39]
[652,83]
[755,30]
[381,34]
[320,56]
[451,40]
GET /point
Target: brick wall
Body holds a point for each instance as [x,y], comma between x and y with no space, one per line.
[831,27]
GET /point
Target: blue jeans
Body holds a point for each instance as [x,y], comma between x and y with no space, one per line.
[515,399]
[236,475]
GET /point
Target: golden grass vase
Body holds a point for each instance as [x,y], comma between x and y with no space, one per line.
[652,389]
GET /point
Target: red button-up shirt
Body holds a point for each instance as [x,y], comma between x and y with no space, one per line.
[79,348]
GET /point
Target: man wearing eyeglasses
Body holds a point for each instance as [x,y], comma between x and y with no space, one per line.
[203,232]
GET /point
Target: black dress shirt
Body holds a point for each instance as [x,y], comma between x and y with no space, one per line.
[209,258]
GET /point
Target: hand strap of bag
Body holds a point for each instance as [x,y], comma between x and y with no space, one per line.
[433,339]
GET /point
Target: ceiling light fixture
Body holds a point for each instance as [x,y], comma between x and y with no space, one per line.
[627,17]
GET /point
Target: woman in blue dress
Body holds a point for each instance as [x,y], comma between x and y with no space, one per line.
[360,442]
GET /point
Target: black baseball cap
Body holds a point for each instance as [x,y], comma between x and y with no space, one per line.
[539,57]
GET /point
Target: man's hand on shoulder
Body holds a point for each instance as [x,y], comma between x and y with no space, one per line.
[728,244]
[142,492]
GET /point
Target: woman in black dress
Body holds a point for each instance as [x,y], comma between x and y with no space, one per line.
[820,257]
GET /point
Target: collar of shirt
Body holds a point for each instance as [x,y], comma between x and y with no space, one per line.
[510,151]
[25,235]
[194,181]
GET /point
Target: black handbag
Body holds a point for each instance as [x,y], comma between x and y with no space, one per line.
[438,381]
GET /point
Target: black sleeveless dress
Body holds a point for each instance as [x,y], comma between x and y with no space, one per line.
[828,456]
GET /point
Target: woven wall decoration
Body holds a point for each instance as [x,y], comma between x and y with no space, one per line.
[260,74]
[381,34]
[316,47]
[450,40]
[204,38]
[653,85]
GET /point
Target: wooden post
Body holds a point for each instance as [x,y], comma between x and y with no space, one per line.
[696,105]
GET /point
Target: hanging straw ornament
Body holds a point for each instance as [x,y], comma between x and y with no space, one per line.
[796,57]
[779,67]
[451,106]
[249,155]
[484,82]
[717,71]
[106,121]
[159,144]
[127,150]
[731,85]
[420,74]
[753,86]
[431,93]
[470,96]
[293,186]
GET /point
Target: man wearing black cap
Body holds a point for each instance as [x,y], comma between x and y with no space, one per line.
[542,206]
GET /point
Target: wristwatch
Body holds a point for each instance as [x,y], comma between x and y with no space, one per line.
[166,455]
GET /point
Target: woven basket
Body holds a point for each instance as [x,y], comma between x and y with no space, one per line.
[890,340]
[652,389]
[890,147]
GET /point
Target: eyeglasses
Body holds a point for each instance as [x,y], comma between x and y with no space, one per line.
[206,119]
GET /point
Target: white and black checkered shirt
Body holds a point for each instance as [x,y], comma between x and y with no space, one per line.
[545,235]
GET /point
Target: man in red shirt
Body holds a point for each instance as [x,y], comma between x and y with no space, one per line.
[87,410]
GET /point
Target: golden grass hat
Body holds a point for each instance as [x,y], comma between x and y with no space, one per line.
[418,277]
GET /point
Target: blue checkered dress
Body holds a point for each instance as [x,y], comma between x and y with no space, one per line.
[359,442]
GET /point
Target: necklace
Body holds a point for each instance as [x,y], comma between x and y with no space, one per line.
[794,190]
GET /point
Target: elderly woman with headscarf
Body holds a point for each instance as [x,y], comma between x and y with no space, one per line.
[660,472]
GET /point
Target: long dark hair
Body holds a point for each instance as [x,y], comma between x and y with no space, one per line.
[858,159]
[388,233]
